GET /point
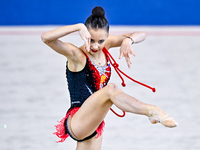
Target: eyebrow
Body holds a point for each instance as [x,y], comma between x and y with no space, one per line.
[99,40]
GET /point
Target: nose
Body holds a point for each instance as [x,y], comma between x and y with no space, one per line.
[95,45]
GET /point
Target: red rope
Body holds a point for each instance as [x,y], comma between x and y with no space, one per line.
[117,113]
[116,67]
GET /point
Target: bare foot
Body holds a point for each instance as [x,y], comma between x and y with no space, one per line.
[157,115]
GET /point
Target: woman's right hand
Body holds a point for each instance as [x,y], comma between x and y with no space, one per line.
[85,35]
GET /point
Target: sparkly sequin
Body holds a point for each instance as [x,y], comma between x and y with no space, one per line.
[104,72]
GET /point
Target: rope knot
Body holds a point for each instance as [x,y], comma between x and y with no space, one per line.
[115,65]
[153,89]
[123,84]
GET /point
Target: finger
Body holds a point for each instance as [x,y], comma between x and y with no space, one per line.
[127,61]
[121,55]
[130,60]
[133,53]
[86,44]
[89,44]
[121,52]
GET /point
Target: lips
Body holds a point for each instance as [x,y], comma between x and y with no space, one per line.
[93,50]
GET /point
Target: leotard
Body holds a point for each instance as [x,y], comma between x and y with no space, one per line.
[81,85]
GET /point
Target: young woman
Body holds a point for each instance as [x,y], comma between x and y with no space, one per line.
[88,71]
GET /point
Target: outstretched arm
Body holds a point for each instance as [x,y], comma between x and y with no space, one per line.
[125,42]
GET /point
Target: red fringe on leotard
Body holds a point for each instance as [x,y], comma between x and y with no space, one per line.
[61,127]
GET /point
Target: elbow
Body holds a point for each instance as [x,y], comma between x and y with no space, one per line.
[143,35]
[44,38]
[139,36]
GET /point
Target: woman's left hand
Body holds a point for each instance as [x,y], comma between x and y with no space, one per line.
[126,51]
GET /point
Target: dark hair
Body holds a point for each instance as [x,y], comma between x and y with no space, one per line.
[97,20]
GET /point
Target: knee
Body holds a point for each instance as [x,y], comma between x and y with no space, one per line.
[111,86]
[113,89]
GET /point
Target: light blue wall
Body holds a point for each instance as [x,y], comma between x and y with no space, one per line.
[118,12]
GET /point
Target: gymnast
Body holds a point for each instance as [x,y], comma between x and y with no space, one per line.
[88,71]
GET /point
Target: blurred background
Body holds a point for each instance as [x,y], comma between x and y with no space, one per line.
[118,12]
[33,88]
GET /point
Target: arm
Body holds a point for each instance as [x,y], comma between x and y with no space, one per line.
[125,43]
[51,38]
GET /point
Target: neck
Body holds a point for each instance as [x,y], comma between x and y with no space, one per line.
[98,57]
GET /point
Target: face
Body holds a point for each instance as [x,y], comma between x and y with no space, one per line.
[98,39]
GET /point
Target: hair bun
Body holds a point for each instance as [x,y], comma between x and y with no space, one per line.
[98,12]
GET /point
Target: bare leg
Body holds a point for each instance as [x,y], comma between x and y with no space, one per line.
[155,114]
[91,144]
[95,108]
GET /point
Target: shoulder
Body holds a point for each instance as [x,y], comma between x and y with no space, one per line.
[77,61]
[78,55]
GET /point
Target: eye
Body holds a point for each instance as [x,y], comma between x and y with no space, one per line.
[92,41]
[101,41]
